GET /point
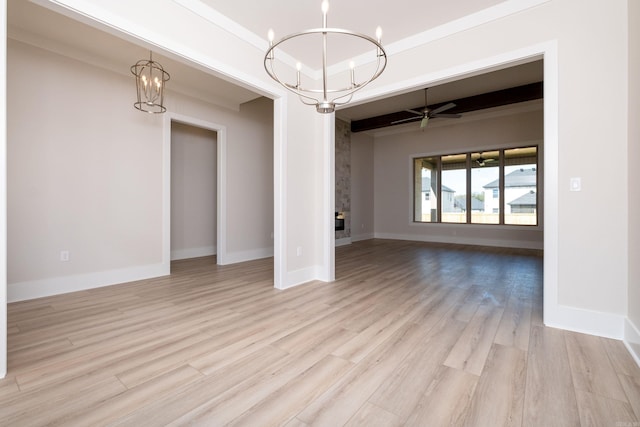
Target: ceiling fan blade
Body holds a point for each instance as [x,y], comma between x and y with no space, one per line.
[420,113]
[449,116]
[445,107]
[424,122]
[410,119]
[481,161]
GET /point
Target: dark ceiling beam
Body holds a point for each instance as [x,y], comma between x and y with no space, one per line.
[513,95]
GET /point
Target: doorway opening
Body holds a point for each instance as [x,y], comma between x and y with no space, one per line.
[193,191]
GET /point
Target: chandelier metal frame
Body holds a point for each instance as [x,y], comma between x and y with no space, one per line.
[325,99]
[150,83]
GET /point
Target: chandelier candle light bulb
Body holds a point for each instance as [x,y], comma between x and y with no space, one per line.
[352,68]
[326,98]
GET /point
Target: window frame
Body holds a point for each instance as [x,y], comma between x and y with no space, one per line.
[502,162]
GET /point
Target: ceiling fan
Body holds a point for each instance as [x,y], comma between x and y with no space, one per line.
[427,114]
[481,161]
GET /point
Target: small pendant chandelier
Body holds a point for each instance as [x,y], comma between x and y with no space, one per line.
[326,98]
[150,81]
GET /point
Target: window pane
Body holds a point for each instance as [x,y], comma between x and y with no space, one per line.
[454,188]
[520,186]
[426,187]
[485,187]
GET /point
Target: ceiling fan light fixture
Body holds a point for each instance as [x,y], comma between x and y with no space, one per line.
[425,113]
[326,98]
[481,161]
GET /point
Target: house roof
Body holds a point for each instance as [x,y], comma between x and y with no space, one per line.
[426,183]
[528,199]
[476,204]
[517,178]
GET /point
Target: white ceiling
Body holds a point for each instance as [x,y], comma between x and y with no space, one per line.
[399,19]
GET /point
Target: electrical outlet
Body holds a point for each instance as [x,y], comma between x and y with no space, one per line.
[575,184]
[64,256]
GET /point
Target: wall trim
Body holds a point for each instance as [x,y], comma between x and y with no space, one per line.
[344,241]
[632,339]
[250,255]
[365,236]
[27,290]
[192,253]
[461,240]
[465,23]
[302,276]
[221,190]
[280,164]
[328,272]
[590,322]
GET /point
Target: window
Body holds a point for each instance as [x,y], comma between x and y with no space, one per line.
[426,185]
[454,188]
[521,176]
[484,187]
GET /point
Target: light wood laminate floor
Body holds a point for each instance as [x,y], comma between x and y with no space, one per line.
[410,334]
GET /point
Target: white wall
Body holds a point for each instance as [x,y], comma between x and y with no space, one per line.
[393,177]
[632,332]
[85,175]
[250,183]
[193,191]
[362,193]
[83,168]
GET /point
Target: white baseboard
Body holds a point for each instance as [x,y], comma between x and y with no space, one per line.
[461,240]
[192,253]
[21,291]
[632,339]
[359,237]
[234,257]
[302,276]
[590,322]
[344,241]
